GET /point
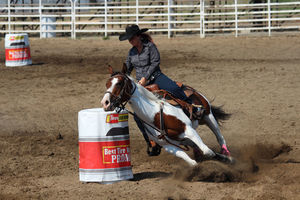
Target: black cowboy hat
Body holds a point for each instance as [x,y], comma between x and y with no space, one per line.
[132,31]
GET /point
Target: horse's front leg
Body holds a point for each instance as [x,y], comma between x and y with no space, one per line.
[179,153]
[192,134]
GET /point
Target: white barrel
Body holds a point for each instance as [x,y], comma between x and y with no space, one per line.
[17,50]
[48,27]
[104,146]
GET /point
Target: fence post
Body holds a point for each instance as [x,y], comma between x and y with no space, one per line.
[169,18]
[269,16]
[73,5]
[105,18]
[200,16]
[74,18]
[236,17]
[9,19]
[40,13]
[202,19]
[71,18]
[137,12]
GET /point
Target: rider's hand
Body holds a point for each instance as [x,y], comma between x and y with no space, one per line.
[143,81]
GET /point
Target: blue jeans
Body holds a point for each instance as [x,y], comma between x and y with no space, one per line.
[169,85]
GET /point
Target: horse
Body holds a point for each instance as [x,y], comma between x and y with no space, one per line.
[165,124]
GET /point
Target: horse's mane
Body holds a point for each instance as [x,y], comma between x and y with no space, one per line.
[115,73]
[149,94]
[146,93]
[143,91]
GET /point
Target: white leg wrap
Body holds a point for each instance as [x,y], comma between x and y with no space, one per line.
[180,154]
[193,135]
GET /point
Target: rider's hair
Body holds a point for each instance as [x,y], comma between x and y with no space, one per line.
[146,38]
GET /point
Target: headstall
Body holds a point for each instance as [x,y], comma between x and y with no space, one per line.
[118,101]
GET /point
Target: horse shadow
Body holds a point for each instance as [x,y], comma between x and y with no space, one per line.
[150,175]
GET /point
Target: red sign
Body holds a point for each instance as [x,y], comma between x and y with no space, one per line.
[101,155]
[17,54]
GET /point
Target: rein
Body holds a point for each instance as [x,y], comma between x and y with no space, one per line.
[119,105]
[162,131]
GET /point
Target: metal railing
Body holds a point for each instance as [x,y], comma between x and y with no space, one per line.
[165,16]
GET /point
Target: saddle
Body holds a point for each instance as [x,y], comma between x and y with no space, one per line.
[198,100]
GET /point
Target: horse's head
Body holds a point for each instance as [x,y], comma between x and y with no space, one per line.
[119,90]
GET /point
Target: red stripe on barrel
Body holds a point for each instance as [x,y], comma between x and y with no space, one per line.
[17,54]
[102,155]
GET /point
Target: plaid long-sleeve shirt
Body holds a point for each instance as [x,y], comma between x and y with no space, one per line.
[145,63]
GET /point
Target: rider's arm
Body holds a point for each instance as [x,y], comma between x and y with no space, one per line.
[129,64]
[154,58]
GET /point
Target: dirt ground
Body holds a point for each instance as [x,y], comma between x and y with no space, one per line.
[257,79]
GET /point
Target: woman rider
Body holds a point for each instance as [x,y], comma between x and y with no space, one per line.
[145,58]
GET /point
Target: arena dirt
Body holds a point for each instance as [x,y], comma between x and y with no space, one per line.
[254,78]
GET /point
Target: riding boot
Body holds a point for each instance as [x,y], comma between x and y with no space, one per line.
[154,149]
[198,112]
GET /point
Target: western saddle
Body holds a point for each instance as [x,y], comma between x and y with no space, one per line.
[198,100]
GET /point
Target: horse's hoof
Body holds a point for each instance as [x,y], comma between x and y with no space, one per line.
[154,151]
[224,158]
[193,163]
[231,160]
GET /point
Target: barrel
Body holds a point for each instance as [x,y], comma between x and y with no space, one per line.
[104,146]
[17,51]
[48,27]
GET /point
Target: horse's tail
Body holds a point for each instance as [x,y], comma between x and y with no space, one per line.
[219,113]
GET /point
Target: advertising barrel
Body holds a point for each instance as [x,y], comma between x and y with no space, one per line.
[17,51]
[104,146]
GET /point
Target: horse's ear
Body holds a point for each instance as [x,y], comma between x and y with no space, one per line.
[110,69]
[124,69]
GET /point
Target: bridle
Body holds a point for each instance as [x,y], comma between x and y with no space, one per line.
[120,101]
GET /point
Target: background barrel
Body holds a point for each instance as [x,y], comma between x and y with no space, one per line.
[104,146]
[48,27]
[17,51]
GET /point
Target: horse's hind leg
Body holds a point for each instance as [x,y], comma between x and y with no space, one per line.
[213,125]
[179,153]
[191,134]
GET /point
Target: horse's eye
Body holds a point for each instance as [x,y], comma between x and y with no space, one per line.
[119,84]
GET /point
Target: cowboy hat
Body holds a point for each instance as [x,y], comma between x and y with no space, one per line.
[131,31]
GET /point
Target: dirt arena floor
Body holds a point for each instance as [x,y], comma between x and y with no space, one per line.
[257,79]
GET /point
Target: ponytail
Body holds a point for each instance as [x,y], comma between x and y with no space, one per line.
[146,38]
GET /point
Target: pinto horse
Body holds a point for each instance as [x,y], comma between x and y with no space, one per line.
[165,124]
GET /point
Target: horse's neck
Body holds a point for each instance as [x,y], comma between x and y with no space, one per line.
[144,103]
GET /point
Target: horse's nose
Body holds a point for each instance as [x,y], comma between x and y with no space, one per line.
[105,103]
